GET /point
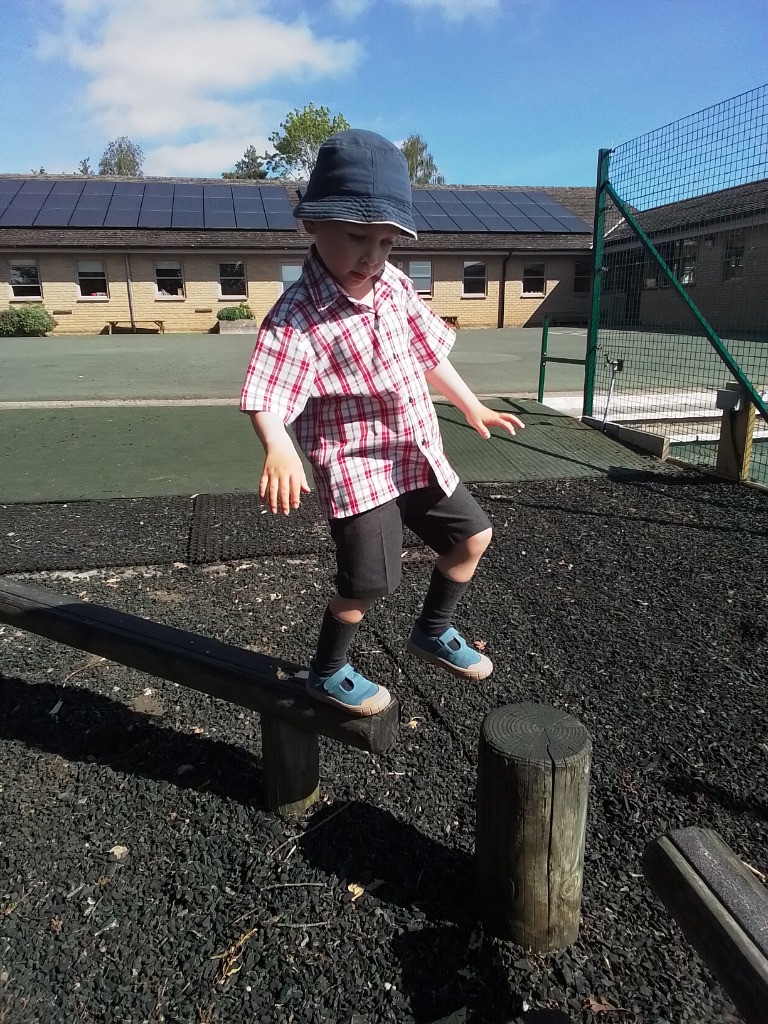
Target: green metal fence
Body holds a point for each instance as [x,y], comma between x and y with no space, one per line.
[680,292]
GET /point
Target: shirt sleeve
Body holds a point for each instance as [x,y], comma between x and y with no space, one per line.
[431,338]
[280,374]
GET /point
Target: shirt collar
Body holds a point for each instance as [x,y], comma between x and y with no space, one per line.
[325,289]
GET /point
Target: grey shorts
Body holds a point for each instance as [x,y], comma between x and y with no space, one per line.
[369,546]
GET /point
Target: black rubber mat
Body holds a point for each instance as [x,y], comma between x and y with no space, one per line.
[231,526]
[94,534]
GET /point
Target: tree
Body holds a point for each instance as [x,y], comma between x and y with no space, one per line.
[422,169]
[250,167]
[122,157]
[301,135]
[84,167]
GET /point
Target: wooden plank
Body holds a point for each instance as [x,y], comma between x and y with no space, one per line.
[532,787]
[245,678]
[721,908]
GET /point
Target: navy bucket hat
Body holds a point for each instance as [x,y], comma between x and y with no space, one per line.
[359,177]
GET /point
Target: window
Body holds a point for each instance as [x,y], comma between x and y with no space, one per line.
[91,279]
[474,277]
[169,278]
[420,272]
[25,281]
[733,262]
[289,274]
[533,279]
[582,277]
[680,257]
[232,280]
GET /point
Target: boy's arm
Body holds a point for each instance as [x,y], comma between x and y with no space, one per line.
[283,479]
[445,379]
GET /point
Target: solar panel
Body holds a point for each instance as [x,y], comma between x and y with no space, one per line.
[217,191]
[60,205]
[188,190]
[128,188]
[26,204]
[419,222]
[219,218]
[152,218]
[121,217]
[250,220]
[87,217]
[187,218]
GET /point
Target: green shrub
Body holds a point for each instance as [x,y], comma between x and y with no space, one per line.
[25,321]
[241,312]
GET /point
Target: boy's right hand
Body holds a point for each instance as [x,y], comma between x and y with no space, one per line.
[283,479]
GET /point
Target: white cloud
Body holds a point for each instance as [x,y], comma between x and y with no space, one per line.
[189,74]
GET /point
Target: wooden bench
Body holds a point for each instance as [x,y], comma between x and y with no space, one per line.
[290,719]
[112,324]
[452,321]
[722,909]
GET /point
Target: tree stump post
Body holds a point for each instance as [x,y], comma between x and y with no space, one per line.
[291,766]
[532,788]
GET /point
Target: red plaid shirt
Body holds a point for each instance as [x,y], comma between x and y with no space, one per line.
[351,380]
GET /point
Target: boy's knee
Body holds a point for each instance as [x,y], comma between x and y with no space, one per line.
[478,543]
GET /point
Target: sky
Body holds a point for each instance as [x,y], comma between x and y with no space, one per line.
[504,92]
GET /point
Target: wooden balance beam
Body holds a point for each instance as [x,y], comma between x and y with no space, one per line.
[722,909]
[290,719]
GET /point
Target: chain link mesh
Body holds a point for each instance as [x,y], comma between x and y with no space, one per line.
[698,188]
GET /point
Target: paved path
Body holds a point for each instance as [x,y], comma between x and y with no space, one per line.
[139,416]
[173,367]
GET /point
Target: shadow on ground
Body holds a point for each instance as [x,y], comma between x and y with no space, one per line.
[91,728]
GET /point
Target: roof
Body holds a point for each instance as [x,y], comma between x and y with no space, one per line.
[279,233]
[729,206]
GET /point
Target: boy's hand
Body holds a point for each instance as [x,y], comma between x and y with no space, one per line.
[283,479]
[482,418]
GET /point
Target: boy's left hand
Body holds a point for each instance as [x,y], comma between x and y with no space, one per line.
[482,418]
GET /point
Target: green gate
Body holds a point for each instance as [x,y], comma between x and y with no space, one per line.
[678,336]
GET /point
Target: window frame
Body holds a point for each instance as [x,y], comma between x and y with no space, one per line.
[581,276]
[86,297]
[227,297]
[178,297]
[733,262]
[30,261]
[423,292]
[283,283]
[465,294]
[524,294]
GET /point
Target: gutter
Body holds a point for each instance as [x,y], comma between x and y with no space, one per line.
[503,289]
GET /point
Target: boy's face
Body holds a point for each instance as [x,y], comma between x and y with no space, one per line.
[353,253]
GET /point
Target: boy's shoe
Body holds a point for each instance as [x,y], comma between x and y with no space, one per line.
[349,691]
[450,651]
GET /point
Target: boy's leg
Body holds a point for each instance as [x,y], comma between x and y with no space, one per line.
[368,563]
[456,527]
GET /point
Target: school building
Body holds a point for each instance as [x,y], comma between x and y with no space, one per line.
[715,244]
[103,254]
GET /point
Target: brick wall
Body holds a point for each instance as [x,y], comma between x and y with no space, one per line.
[196,310]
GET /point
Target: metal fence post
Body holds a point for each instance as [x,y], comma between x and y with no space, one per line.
[603,161]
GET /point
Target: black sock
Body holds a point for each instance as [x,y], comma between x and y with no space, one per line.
[440,603]
[332,644]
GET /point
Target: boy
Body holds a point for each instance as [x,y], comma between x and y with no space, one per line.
[346,355]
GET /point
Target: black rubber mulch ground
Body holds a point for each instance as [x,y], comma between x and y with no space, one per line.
[637,603]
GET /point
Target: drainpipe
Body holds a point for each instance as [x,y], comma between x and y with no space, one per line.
[129,286]
[503,288]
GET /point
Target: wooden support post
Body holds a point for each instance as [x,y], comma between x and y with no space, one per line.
[532,787]
[734,449]
[291,766]
[721,908]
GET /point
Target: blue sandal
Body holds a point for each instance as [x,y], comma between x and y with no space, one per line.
[450,651]
[349,691]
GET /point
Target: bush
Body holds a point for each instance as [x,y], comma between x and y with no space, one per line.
[26,322]
[241,312]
